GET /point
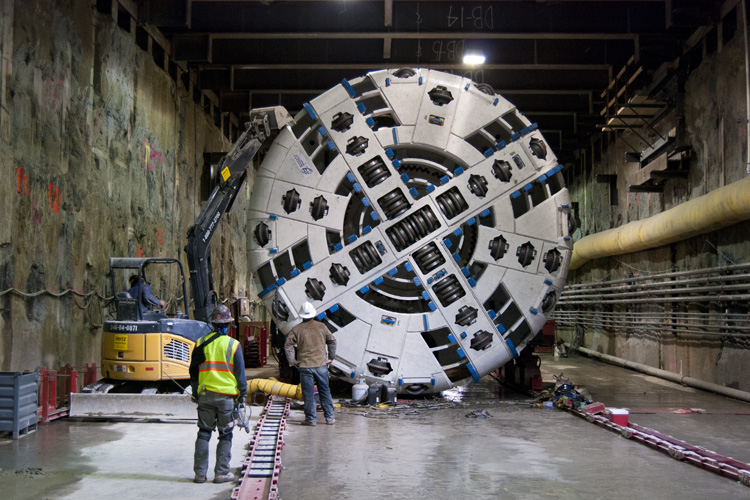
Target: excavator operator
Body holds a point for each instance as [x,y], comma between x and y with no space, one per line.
[147,298]
[217,377]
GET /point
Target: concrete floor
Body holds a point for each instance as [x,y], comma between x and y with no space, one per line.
[430,451]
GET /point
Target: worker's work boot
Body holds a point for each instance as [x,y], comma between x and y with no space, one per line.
[199,479]
[224,478]
[331,422]
[308,422]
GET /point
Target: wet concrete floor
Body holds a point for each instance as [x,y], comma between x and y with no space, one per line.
[429,449]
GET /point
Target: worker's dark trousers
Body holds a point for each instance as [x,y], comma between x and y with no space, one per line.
[214,412]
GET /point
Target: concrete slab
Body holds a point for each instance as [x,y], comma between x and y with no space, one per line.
[433,449]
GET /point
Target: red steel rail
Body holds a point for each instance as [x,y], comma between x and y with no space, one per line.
[262,466]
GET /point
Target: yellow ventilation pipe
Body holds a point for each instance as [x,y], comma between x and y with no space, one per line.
[719,208]
[275,388]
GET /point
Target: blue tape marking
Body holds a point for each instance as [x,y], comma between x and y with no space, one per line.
[393,272]
[274,250]
[273,216]
[565,206]
[451,339]
[472,282]
[417,281]
[445,179]
[378,280]
[426,295]
[547,282]
[465,271]
[365,202]
[515,136]
[489,153]
[268,289]
[500,328]
[400,381]
[331,146]
[374,216]
[295,272]
[515,195]
[447,243]
[353,374]
[512,348]
[485,213]
[352,238]
[361,107]
[458,171]
[380,247]
[555,170]
[307,265]
[430,188]
[530,128]
[364,289]
[333,308]
[321,316]
[456,257]
[388,321]
[413,192]
[432,306]
[463,335]
[473,372]
[471,221]
[518,161]
[492,314]
[500,145]
[458,232]
[497,100]
[310,111]
[528,187]
[350,177]
[322,131]
[357,187]
[433,381]
[396,163]
[337,247]
[395,136]
[566,238]
[405,177]
[408,267]
[533,311]
[425,322]
[352,93]
[460,353]
[366,229]
[542,178]
[467,86]
[370,122]
[387,82]
[389,153]
[429,281]
[440,274]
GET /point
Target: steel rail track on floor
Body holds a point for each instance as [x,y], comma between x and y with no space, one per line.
[260,470]
[675,448]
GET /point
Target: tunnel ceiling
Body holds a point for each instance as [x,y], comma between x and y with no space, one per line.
[554,60]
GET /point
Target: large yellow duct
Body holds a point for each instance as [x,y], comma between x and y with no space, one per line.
[719,208]
[274,387]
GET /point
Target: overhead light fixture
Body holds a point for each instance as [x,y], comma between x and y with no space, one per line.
[473,56]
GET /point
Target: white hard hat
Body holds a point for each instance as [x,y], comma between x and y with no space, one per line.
[307,311]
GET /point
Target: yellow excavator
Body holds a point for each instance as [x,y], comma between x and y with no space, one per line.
[146,350]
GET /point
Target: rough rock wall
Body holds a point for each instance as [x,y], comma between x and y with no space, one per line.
[715,126]
[102,156]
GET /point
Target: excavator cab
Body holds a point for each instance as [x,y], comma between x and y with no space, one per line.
[147,346]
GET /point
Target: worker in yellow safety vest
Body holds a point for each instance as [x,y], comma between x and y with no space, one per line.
[217,377]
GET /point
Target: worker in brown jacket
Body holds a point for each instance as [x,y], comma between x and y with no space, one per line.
[311,337]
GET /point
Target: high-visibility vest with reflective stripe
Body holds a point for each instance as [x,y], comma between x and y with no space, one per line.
[216,373]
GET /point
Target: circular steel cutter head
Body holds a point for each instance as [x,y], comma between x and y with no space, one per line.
[424,174]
